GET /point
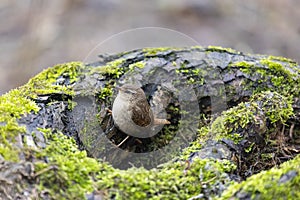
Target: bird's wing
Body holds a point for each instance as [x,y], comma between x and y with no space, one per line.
[141,113]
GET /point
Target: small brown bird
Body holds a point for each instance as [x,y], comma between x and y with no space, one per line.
[132,113]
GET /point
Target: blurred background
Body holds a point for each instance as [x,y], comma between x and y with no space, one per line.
[36,34]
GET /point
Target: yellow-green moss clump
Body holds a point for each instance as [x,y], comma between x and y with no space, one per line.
[155,51]
[281,74]
[68,173]
[113,69]
[170,182]
[276,183]
[18,102]
[275,108]
[221,49]
[47,81]
[12,106]
[140,65]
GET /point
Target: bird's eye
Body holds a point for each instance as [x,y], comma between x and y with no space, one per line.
[130,91]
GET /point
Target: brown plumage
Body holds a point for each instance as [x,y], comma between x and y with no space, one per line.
[132,113]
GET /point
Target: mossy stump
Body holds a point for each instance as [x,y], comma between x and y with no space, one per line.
[57,140]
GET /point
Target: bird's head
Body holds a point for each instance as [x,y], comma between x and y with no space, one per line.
[130,92]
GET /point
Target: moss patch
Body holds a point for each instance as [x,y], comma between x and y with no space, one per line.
[155,51]
[271,184]
[140,65]
[170,182]
[220,49]
[263,108]
[18,102]
[193,75]
[10,111]
[112,69]
[275,74]
[47,81]
[69,173]
[275,107]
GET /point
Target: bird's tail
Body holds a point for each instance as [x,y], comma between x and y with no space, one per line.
[161,121]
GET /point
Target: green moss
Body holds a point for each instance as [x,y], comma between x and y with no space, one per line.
[12,106]
[69,173]
[170,182]
[285,80]
[17,103]
[276,67]
[249,149]
[194,76]
[191,81]
[70,70]
[197,47]
[105,92]
[225,126]
[282,74]
[288,63]
[267,185]
[8,133]
[275,107]
[221,49]
[46,81]
[282,59]
[113,69]
[155,51]
[71,104]
[140,65]
[243,64]
[195,146]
